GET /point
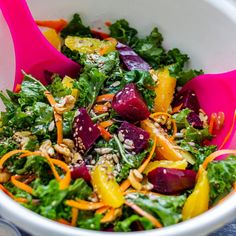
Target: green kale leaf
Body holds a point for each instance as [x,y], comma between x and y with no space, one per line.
[89,220]
[76,28]
[7,145]
[126,224]
[222,176]
[123,32]
[166,208]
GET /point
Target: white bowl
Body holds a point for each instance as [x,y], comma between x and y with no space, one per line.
[205,29]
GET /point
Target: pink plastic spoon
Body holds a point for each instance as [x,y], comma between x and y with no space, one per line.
[216,93]
[33,53]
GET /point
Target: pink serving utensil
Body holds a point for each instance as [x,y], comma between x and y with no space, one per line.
[217,93]
[33,53]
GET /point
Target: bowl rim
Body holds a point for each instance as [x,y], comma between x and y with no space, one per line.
[202,224]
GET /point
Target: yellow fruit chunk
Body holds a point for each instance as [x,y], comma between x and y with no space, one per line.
[165,149]
[164,90]
[68,83]
[105,185]
[198,200]
[52,36]
[90,45]
[166,164]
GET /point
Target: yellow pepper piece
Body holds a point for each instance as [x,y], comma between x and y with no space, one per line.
[53,37]
[164,90]
[166,164]
[68,83]
[90,45]
[105,185]
[198,200]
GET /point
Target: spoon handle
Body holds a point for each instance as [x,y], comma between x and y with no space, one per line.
[26,35]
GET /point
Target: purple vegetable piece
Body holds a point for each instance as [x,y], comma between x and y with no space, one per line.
[129,104]
[136,135]
[85,132]
[131,60]
[189,100]
[171,181]
[194,120]
[80,171]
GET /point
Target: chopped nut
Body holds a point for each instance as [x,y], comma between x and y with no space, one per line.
[121,136]
[137,174]
[69,143]
[66,104]
[134,181]
[51,126]
[4,177]
[46,146]
[103,150]
[63,149]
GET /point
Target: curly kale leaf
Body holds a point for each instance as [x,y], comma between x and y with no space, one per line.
[123,32]
[76,28]
[222,176]
[166,208]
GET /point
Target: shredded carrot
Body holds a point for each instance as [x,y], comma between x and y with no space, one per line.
[58,25]
[65,182]
[106,123]
[212,123]
[21,200]
[10,154]
[105,98]
[20,185]
[100,109]
[230,132]
[177,109]
[6,191]
[174,126]
[102,210]
[63,221]
[74,213]
[125,184]
[145,214]
[84,205]
[58,117]
[142,192]
[110,216]
[105,134]
[17,88]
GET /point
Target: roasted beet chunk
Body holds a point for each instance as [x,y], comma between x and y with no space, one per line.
[80,171]
[129,104]
[130,59]
[85,132]
[188,99]
[133,135]
[171,181]
[194,120]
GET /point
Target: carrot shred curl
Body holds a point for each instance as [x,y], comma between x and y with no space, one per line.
[57,25]
[177,109]
[106,124]
[63,221]
[102,210]
[20,185]
[105,134]
[57,117]
[74,213]
[6,191]
[110,216]
[212,122]
[125,184]
[143,213]
[105,98]
[100,109]
[84,205]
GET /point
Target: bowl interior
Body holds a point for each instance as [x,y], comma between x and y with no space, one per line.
[206,30]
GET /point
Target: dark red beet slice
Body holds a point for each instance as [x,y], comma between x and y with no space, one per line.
[131,59]
[171,181]
[194,120]
[189,100]
[129,104]
[85,132]
[80,171]
[136,135]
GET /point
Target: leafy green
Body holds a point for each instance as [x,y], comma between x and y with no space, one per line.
[10,106]
[73,55]
[123,32]
[167,208]
[199,152]
[222,176]
[57,89]
[76,28]
[7,145]
[89,85]
[191,134]
[68,118]
[126,224]
[89,220]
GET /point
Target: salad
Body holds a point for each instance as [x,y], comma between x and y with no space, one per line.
[120,147]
